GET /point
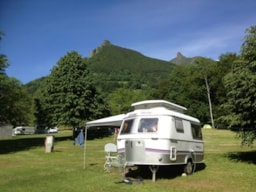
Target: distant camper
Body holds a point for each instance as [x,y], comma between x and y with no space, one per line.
[158,133]
[23,130]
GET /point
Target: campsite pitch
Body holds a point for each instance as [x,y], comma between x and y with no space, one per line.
[26,167]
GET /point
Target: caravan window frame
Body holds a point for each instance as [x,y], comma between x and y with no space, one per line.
[179,125]
[127,126]
[148,125]
[196,131]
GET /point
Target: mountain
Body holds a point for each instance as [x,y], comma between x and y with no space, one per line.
[182,60]
[111,64]
[108,58]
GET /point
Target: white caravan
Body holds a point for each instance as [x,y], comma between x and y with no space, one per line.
[158,133]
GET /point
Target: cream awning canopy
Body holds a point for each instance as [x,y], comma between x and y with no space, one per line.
[115,120]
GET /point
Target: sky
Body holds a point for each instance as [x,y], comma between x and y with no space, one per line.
[37,33]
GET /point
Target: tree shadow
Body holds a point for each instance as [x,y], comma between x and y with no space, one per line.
[99,133]
[247,157]
[24,143]
[164,172]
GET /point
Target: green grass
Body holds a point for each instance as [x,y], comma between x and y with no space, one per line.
[24,166]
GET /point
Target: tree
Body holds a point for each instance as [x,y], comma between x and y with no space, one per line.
[121,99]
[15,103]
[241,90]
[70,97]
[3,60]
[204,66]
[40,114]
[218,90]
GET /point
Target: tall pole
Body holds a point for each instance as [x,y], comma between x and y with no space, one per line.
[85,139]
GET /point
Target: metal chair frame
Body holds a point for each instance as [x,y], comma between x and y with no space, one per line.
[111,156]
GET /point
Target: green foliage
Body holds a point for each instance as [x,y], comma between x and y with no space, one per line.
[248,51]
[35,85]
[218,90]
[3,64]
[70,97]
[116,67]
[121,99]
[40,114]
[241,90]
[3,59]
[185,86]
[15,102]
[204,66]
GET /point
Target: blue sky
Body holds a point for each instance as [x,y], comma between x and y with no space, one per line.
[39,32]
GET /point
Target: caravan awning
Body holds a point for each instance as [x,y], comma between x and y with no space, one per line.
[115,120]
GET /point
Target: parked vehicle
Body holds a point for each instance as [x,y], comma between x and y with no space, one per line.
[22,130]
[53,130]
[157,133]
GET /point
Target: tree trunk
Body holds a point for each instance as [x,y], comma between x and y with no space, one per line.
[209,99]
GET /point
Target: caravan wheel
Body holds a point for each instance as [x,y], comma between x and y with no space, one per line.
[189,168]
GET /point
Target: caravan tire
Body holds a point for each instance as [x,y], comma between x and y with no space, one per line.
[189,168]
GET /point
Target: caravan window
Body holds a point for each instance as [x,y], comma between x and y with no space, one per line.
[148,125]
[179,125]
[127,126]
[196,132]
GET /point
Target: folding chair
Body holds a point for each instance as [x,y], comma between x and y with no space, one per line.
[111,156]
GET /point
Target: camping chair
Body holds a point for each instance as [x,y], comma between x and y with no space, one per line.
[111,156]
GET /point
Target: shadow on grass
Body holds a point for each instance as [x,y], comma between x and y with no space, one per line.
[247,157]
[24,143]
[164,172]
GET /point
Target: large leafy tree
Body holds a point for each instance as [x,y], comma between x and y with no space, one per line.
[241,90]
[70,97]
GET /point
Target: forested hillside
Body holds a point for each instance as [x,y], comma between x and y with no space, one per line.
[115,67]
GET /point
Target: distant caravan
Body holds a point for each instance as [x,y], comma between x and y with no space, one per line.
[23,130]
[158,133]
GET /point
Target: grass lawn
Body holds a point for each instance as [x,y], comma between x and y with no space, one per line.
[26,167]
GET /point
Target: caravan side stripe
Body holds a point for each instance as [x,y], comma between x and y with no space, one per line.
[164,151]
[121,150]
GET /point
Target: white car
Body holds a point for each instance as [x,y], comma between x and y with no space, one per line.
[53,130]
